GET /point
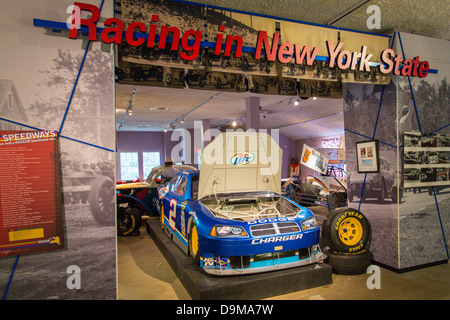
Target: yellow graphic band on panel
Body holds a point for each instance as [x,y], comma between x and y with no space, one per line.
[25,234]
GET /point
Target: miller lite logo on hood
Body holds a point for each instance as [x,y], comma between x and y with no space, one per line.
[240,162]
[242,158]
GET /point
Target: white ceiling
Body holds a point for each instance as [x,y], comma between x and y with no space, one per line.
[429,17]
[312,118]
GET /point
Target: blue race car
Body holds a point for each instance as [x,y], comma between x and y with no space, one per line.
[230,216]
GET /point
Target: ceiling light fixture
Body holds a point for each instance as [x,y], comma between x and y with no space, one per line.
[143,124]
[161,109]
[195,108]
[234,123]
[128,111]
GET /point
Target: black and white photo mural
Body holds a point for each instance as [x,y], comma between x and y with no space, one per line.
[213,48]
[410,119]
[423,110]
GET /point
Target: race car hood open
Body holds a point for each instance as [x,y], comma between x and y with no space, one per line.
[240,162]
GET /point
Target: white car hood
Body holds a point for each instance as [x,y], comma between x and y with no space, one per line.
[240,162]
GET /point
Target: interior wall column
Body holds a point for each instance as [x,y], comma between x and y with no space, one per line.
[253,113]
[205,126]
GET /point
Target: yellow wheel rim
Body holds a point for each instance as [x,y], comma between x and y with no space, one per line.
[194,240]
[350,231]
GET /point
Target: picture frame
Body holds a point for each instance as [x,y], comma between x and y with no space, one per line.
[367,156]
[426,160]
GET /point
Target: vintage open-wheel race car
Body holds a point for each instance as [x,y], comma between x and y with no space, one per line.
[138,198]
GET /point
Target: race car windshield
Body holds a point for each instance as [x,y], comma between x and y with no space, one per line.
[194,187]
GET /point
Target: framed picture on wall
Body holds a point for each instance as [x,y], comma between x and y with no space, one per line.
[367,156]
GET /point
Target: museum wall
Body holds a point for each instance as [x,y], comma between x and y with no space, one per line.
[128,141]
[410,231]
[361,105]
[38,69]
[424,222]
[288,147]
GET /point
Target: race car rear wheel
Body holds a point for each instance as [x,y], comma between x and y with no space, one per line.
[129,221]
[194,248]
[346,230]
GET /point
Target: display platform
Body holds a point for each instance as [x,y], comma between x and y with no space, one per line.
[203,286]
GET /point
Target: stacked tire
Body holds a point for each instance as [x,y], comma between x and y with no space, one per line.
[346,236]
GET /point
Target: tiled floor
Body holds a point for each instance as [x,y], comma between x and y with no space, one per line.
[144,274]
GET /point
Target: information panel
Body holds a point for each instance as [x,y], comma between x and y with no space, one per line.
[427,160]
[314,159]
[31,200]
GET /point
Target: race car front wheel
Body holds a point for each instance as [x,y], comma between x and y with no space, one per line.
[194,249]
[346,230]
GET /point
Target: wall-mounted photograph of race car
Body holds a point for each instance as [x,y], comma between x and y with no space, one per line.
[230,216]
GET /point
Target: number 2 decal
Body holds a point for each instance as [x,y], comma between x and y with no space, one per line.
[172,213]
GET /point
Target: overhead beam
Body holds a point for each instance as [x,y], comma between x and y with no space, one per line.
[308,120]
[347,12]
[193,109]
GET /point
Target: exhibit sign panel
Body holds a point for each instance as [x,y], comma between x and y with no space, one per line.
[31,203]
[182,44]
[314,159]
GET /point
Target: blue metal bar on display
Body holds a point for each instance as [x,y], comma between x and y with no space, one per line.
[87,143]
[420,129]
[74,87]
[440,221]
[77,78]
[362,191]
[11,277]
[378,114]
[362,135]
[441,128]
[20,124]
